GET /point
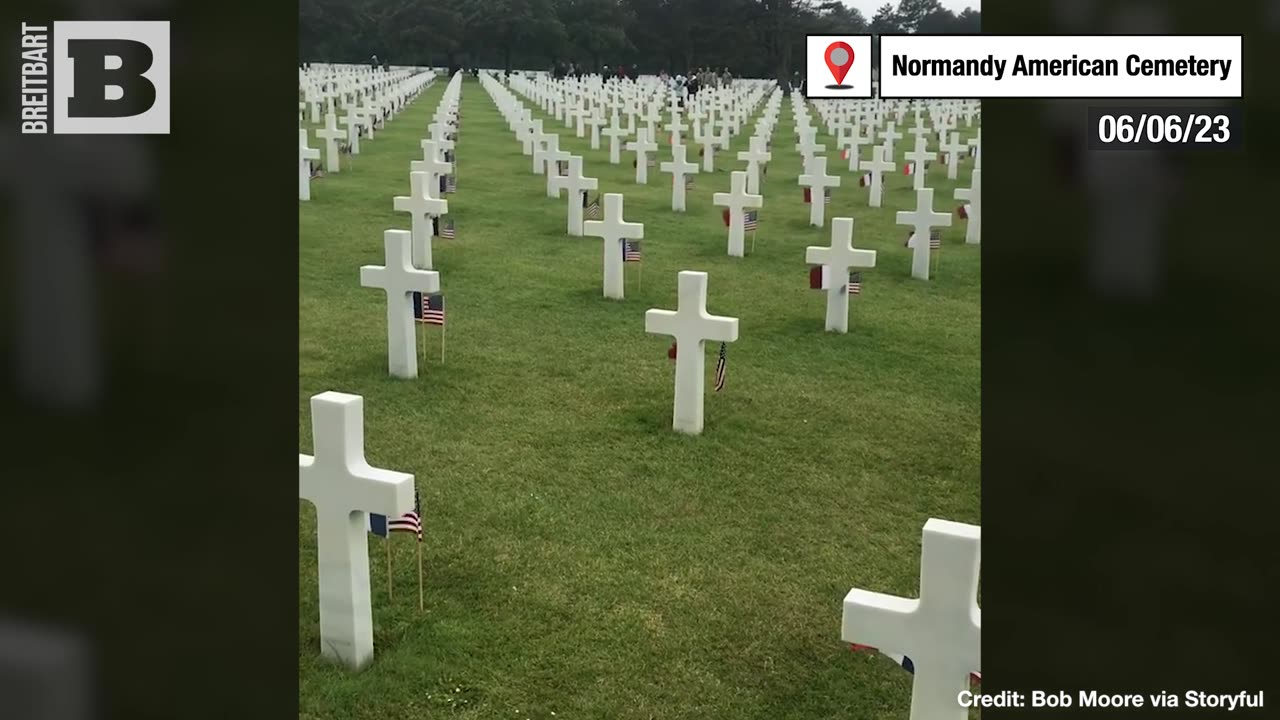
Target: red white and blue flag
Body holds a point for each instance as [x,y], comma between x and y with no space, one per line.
[428,309]
[751,220]
[630,251]
[409,522]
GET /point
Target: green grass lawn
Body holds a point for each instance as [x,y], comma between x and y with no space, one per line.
[582,560]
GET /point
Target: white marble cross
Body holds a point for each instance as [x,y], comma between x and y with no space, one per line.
[353,120]
[679,167]
[422,205]
[399,278]
[642,146]
[919,157]
[530,136]
[890,135]
[808,146]
[431,164]
[817,180]
[675,127]
[753,157]
[594,122]
[331,134]
[708,143]
[615,134]
[876,167]
[922,220]
[545,145]
[953,150]
[613,230]
[576,186]
[973,233]
[941,631]
[342,486]
[737,200]
[691,326]
[839,258]
[554,158]
[856,140]
[305,155]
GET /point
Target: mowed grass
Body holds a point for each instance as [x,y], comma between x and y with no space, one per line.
[581,559]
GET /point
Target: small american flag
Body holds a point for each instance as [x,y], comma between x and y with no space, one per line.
[855,283]
[450,184]
[410,521]
[630,251]
[720,367]
[905,662]
[688,182]
[826,196]
[448,230]
[935,239]
[751,220]
[428,309]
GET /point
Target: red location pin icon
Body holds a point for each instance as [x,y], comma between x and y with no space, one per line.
[839,57]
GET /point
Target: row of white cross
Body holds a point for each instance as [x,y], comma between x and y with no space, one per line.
[939,631]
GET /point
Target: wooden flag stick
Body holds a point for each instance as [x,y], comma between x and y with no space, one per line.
[639,275]
[442,329]
[387,542]
[422,332]
[753,242]
[420,606]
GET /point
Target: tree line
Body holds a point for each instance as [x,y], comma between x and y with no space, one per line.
[753,38]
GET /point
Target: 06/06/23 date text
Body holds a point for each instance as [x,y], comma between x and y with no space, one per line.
[1152,128]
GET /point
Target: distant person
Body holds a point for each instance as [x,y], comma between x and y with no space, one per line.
[726,78]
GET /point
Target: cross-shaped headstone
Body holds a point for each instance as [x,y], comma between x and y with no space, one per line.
[754,156]
[615,134]
[953,150]
[331,134]
[890,135]
[817,180]
[737,200]
[422,205]
[305,156]
[594,122]
[919,156]
[808,145]
[554,158]
[342,486]
[431,164]
[691,326]
[400,279]
[353,121]
[941,631]
[876,167]
[973,233]
[530,136]
[543,154]
[708,143]
[679,167]
[839,258]
[613,230]
[577,186]
[922,220]
[675,127]
[642,146]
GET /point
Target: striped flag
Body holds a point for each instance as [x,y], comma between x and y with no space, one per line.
[409,522]
[909,168]
[630,251]
[428,309]
[720,367]
[976,678]
[688,182]
[855,283]
[935,239]
[818,275]
[826,196]
[450,184]
[751,220]
[447,230]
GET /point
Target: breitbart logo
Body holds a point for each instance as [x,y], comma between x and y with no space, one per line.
[95,78]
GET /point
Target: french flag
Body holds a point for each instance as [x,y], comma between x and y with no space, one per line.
[909,168]
[963,211]
[865,180]
[808,196]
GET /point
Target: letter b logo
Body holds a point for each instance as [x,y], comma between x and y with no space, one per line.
[111,78]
